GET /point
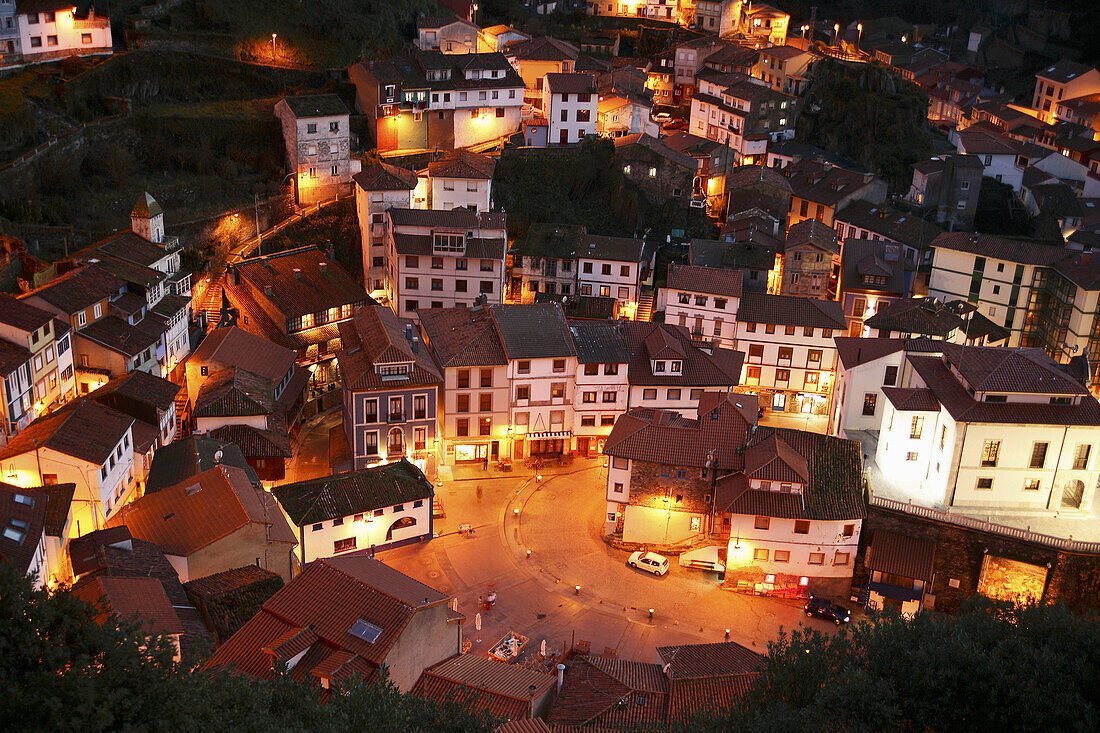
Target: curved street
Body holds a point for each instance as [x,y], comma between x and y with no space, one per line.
[560,522]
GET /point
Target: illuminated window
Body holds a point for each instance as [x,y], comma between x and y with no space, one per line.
[917,424]
[760,554]
[817,558]
[992,448]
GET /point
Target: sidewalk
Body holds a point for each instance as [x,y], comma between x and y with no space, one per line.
[477,471]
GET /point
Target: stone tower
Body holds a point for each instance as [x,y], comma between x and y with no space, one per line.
[147,219]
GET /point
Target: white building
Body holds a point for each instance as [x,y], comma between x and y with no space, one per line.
[375,508]
[790,356]
[55,29]
[316,131]
[447,34]
[443,259]
[704,300]
[622,113]
[602,385]
[460,179]
[864,367]
[615,267]
[378,188]
[986,430]
[570,103]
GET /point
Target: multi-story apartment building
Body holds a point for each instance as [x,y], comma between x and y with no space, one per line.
[47,338]
[615,267]
[982,429]
[475,402]
[443,259]
[810,261]
[1063,80]
[703,299]
[873,274]
[569,102]
[1044,294]
[787,503]
[316,131]
[542,368]
[296,299]
[819,190]
[544,260]
[15,368]
[460,179]
[390,390]
[785,68]
[950,185]
[602,386]
[670,370]
[790,357]
[440,101]
[742,112]
[53,29]
[377,189]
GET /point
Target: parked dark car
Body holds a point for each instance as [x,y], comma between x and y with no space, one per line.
[827,610]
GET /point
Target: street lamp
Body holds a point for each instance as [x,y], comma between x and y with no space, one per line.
[804,29]
[473,16]
[273,37]
[859,34]
[836,34]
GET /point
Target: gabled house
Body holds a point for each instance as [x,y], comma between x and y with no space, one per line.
[1062,80]
[743,112]
[811,261]
[569,102]
[662,173]
[134,600]
[873,274]
[785,68]
[1003,158]
[345,617]
[190,456]
[378,188]
[371,509]
[534,58]
[390,390]
[48,339]
[317,135]
[819,190]
[460,179]
[949,184]
[602,383]
[615,267]
[620,113]
[151,401]
[704,299]
[211,522]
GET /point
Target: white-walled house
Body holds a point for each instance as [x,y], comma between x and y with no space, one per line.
[703,299]
[56,29]
[363,511]
[317,135]
[864,367]
[461,179]
[83,443]
[602,386]
[615,267]
[378,188]
[569,102]
[985,429]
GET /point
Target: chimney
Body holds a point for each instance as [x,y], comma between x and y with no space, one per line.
[297,273]
[324,266]
[269,290]
[408,331]
[416,344]
[561,675]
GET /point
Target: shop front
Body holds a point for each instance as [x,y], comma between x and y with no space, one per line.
[544,445]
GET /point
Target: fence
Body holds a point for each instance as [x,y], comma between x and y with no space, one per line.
[75,132]
[1026,535]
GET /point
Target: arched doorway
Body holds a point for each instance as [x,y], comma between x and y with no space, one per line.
[396,444]
[1072,494]
[402,523]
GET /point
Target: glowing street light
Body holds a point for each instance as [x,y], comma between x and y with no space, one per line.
[836,34]
[804,29]
[859,34]
[273,37]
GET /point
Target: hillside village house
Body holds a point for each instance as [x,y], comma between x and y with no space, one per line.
[366,510]
[443,259]
[615,267]
[742,112]
[18,394]
[1003,157]
[52,29]
[497,37]
[784,505]
[296,298]
[862,219]
[1063,80]
[460,179]
[785,68]
[475,402]
[602,388]
[141,601]
[316,131]
[988,429]
[390,390]
[790,357]
[544,260]
[811,261]
[620,113]
[346,617]
[670,370]
[873,274]
[819,190]
[447,34]
[703,299]
[950,185]
[569,102]
[535,58]
[662,173]
[47,339]
[864,367]
[439,101]
[151,401]
[82,443]
[378,188]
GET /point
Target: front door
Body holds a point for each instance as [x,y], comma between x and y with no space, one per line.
[563,137]
[582,446]
[496,450]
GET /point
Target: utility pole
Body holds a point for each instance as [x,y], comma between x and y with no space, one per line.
[813,20]
[256,212]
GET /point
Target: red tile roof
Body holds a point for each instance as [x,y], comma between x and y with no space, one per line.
[137,599]
[689,697]
[462,337]
[463,164]
[195,513]
[689,661]
[912,399]
[375,335]
[897,554]
[232,347]
[773,460]
[791,310]
[385,177]
[721,368]
[500,689]
[594,697]
[571,83]
[303,280]
[83,429]
[711,280]
[812,232]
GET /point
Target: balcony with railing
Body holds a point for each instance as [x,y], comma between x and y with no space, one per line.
[396,417]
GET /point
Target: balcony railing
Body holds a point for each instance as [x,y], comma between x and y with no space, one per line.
[395,450]
[396,417]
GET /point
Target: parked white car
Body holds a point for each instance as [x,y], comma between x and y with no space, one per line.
[651,562]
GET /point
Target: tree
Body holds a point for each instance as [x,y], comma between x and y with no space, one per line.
[64,670]
[991,668]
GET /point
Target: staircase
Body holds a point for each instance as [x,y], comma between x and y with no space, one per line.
[645,307]
[212,301]
[181,409]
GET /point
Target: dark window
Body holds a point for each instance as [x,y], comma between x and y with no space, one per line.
[891,377]
[801,526]
[869,400]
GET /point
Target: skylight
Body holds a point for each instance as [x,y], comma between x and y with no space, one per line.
[365,630]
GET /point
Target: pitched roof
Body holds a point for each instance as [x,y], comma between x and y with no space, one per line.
[688,697]
[301,280]
[571,83]
[255,442]
[772,459]
[864,258]
[503,690]
[357,492]
[618,249]
[385,177]
[658,146]
[191,455]
[1063,71]
[12,357]
[749,175]
[22,315]
[1028,370]
[689,661]
[316,105]
[533,331]
[854,351]
[897,554]
[711,280]
[233,347]
[82,428]
[316,613]
[812,232]
[463,337]
[463,164]
[195,513]
[234,392]
[599,343]
[146,206]
[718,368]
[542,48]
[375,335]
[597,693]
[141,387]
[59,501]
[822,183]
[133,599]
[900,226]
[912,399]
[791,310]
[130,247]
[78,289]
[22,521]
[458,218]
